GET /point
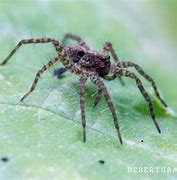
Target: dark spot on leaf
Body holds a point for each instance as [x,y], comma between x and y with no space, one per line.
[58,72]
[101,161]
[142,140]
[4,159]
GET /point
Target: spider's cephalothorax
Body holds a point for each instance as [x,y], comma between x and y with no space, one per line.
[90,60]
[93,65]
[99,63]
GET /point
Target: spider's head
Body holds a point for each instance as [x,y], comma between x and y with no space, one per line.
[98,62]
[74,53]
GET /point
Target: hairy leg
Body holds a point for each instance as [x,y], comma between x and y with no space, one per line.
[95,79]
[146,76]
[98,94]
[82,104]
[97,97]
[76,38]
[39,73]
[123,72]
[108,48]
[32,41]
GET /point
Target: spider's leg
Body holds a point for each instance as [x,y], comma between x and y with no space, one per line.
[108,48]
[95,79]
[82,104]
[123,72]
[98,94]
[146,76]
[39,73]
[97,97]
[79,40]
[33,41]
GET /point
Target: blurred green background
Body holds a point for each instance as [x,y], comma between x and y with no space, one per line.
[42,137]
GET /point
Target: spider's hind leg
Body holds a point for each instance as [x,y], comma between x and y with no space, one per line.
[39,73]
[82,104]
[74,37]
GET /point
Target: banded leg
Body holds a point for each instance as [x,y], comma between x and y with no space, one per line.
[146,76]
[32,41]
[122,72]
[82,104]
[95,79]
[98,94]
[108,48]
[75,38]
[39,73]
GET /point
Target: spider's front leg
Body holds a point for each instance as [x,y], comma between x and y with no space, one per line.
[123,72]
[108,48]
[98,94]
[96,80]
[39,73]
[83,79]
[32,41]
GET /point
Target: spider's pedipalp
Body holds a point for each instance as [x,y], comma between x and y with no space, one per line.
[146,76]
[123,72]
[74,37]
[82,81]
[39,73]
[33,41]
[96,80]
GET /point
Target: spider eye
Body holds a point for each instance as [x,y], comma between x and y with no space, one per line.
[81,53]
[106,58]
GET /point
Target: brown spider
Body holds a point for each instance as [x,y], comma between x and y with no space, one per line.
[93,65]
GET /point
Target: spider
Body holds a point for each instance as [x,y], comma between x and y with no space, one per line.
[95,66]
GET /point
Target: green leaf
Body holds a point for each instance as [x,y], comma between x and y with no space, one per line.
[42,136]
